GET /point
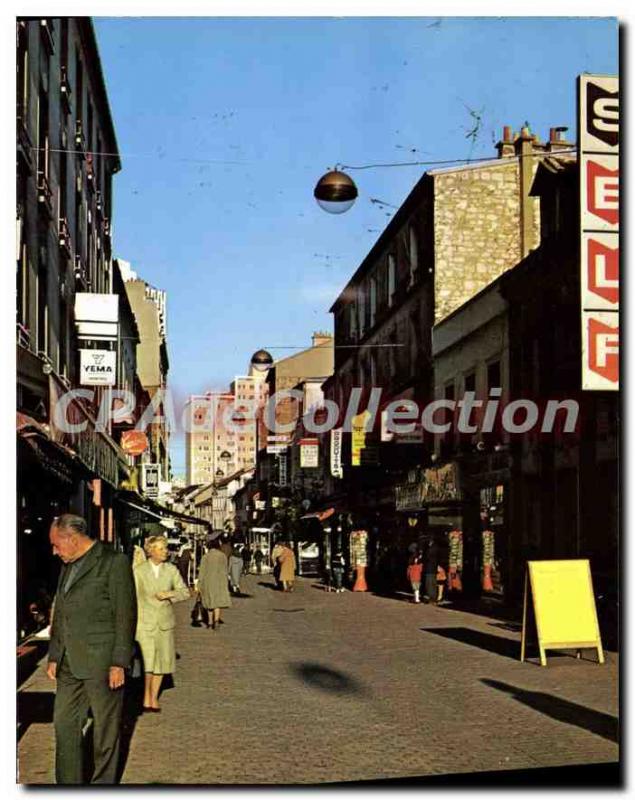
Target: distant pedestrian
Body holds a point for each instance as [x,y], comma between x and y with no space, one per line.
[212,583]
[184,561]
[287,568]
[275,563]
[431,565]
[226,546]
[246,557]
[159,585]
[414,573]
[235,570]
[338,568]
[258,558]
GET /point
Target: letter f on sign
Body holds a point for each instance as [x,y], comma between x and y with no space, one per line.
[604,349]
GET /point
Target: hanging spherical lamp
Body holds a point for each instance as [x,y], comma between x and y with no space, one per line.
[261,360]
[335,192]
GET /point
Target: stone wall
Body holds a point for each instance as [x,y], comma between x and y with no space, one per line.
[476,230]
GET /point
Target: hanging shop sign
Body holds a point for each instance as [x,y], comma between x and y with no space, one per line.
[598,146]
[282,468]
[359,548]
[358,437]
[97,367]
[442,484]
[410,496]
[336,453]
[133,443]
[309,453]
[564,607]
[96,316]
[150,477]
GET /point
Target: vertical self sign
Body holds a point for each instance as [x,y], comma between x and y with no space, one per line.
[598,147]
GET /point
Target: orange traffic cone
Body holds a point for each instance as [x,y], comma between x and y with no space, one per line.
[360,582]
[488,586]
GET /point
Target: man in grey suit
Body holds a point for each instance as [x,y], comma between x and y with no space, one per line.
[92,640]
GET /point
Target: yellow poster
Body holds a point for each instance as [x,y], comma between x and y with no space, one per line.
[564,606]
[358,438]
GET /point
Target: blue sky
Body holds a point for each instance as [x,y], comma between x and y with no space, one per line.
[225,124]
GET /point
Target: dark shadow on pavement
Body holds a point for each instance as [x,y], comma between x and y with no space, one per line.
[597,722]
[34,707]
[510,648]
[132,709]
[326,679]
[287,610]
[269,586]
[516,627]
[241,595]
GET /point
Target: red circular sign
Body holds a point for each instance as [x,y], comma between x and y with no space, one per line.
[133,443]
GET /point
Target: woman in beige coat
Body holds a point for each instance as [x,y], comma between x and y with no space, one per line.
[286,560]
[158,586]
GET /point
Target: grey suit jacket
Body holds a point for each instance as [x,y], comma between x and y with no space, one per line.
[155,613]
[94,621]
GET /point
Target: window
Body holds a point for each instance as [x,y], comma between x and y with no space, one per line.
[494,375]
[42,305]
[352,325]
[413,252]
[373,300]
[361,310]
[43,134]
[392,280]
[470,382]
[22,74]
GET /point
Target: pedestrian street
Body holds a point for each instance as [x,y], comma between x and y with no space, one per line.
[316,687]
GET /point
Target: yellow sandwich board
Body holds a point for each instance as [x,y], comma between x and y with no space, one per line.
[564,607]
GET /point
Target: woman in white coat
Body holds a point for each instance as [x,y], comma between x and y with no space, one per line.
[159,585]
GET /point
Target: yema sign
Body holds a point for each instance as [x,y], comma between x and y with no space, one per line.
[97,367]
[598,147]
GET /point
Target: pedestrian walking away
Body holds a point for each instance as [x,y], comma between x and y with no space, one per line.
[415,570]
[431,565]
[287,568]
[184,563]
[158,586]
[246,557]
[235,569]
[258,558]
[92,643]
[275,563]
[212,583]
[338,568]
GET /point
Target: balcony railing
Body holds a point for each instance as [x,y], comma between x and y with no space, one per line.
[23,336]
[81,274]
[46,32]
[64,236]
[44,193]
[80,140]
[65,89]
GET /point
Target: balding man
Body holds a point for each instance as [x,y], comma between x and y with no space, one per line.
[92,640]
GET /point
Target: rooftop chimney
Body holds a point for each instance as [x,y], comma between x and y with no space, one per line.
[557,140]
[321,339]
[506,146]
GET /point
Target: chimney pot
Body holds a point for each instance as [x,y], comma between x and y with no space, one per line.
[507,134]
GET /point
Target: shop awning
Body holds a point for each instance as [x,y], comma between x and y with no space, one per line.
[55,458]
[152,509]
[320,515]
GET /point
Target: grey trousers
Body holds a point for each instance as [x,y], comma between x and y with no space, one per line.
[73,698]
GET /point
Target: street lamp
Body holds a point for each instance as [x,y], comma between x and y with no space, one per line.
[335,192]
[261,360]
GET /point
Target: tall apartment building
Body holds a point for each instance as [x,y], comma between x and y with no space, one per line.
[213,449]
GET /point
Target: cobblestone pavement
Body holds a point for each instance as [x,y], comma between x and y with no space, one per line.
[312,687]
